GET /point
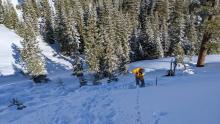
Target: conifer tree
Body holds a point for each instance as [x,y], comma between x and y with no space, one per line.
[159,53]
[60,21]
[132,8]
[163,11]
[78,69]
[66,32]
[29,14]
[111,58]
[78,17]
[30,54]
[122,35]
[192,35]
[176,28]
[92,44]
[35,6]
[1,12]
[48,31]
[74,36]
[125,37]
[10,16]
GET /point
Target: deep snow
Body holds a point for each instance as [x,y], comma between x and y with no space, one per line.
[10,43]
[191,97]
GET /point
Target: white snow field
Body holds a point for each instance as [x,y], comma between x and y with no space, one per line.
[9,43]
[191,97]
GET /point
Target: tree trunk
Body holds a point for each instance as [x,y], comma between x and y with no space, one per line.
[203,50]
[204,45]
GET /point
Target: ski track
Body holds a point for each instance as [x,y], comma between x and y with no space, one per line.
[88,113]
[137,108]
[57,117]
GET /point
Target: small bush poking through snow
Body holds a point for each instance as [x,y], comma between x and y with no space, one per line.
[17,103]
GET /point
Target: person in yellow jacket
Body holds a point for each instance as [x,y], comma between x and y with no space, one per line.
[139,76]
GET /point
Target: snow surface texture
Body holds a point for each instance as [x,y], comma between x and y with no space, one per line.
[191,97]
[10,44]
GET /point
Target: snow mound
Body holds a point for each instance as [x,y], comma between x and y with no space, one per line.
[189,71]
[9,52]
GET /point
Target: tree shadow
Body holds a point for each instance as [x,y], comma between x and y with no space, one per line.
[57,53]
[53,66]
[16,55]
[50,65]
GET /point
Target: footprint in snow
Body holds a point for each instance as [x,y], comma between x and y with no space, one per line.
[157,116]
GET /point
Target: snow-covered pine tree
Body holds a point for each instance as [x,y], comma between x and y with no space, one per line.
[61,25]
[73,34]
[35,6]
[47,24]
[192,35]
[138,37]
[30,14]
[176,26]
[31,56]
[152,45]
[122,33]
[101,42]
[132,9]
[149,28]
[191,30]
[92,43]
[162,7]
[66,31]
[67,34]
[70,28]
[111,58]
[60,22]
[149,43]
[165,37]
[78,17]
[10,16]
[1,12]
[20,30]
[159,53]
[78,69]
[126,35]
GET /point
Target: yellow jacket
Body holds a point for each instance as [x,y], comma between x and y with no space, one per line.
[138,73]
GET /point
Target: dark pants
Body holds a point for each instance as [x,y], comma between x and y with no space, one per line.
[139,80]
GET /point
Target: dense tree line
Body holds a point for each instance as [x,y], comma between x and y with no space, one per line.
[109,34]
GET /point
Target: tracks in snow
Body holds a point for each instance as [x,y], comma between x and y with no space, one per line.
[137,108]
[90,113]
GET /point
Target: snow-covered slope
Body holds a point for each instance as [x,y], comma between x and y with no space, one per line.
[9,43]
[9,54]
[58,66]
[191,97]
[183,99]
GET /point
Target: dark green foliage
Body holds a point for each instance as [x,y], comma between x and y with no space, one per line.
[47,24]
[1,12]
[30,14]
[33,62]
[175,29]
[66,32]
[10,17]
[35,6]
